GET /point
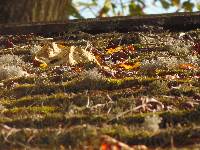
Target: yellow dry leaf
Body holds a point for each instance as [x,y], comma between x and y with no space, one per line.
[127,67]
[130,66]
[158,71]
[43,66]
[61,46]
[113,50]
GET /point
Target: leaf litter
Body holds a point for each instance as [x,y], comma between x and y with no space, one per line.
[117,82]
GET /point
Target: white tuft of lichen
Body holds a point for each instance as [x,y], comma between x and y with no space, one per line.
[7,72]
[152,122]
[11,60]
[193,59]
[92,74]
[35,48]
[160,63]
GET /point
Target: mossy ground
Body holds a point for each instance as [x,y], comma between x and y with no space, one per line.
[61,107]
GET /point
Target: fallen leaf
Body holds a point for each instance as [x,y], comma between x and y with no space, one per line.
[9,44]
[60,46]
[114,144]
[187,66]
[114,50]
[172,77]
[55,54]
[104,146]
[131,48]
[129,66]
[43,66]
[140,147]
[196,48]
[119,56]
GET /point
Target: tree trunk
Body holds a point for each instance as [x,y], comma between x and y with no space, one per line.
[27,11]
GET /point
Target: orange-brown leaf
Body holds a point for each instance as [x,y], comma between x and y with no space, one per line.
[104,147]
[131,48]
[128,66]
[114,50]
[187,66]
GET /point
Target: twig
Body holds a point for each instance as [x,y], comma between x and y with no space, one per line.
[126,112]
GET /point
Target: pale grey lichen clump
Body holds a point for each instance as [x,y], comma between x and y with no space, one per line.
[167,63]
[174,45]
[91,79]
[160,63]
[193,59]
[92,74]
[152,122]
[10,60]
[179,48]
[180,52]
[34,49]
[11,66]
[7,72]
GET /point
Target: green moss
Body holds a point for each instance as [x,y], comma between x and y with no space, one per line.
[20,80]
[134,136]
[69,137]
[41,120]
[59,99]
[168,118]
[130,82]
[29,110]
[158,87]
[180,117]
[76,86]
[185,90]
[60,107]
[32,89]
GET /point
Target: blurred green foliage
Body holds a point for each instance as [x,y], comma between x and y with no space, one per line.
[107,8]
